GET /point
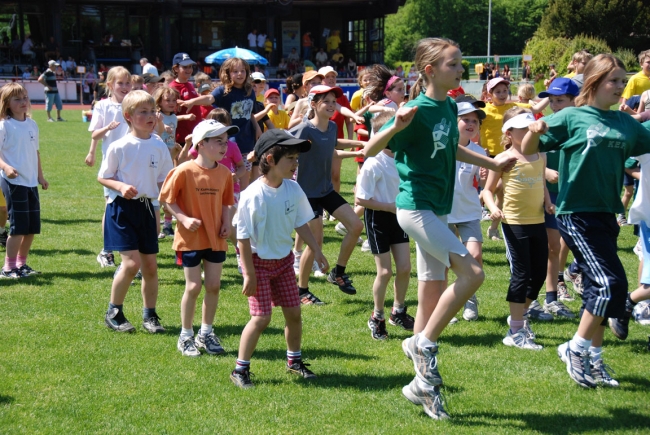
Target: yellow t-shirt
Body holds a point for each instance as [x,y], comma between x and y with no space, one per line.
[281,120]
[637,84]
[260,98]
[491,126]
[571,74]
[333,42]
[355,101]
[523,193]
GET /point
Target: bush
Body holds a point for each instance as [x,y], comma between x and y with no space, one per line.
[466,72]
[559,51]
[628,57]
[581,42]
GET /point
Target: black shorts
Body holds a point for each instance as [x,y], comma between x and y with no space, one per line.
[628,180]
[23,208]
[193,258]
[550,222]
[130,225]
[383,230]
[329,202]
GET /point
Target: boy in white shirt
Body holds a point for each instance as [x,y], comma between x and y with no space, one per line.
[133,170]
[269,210]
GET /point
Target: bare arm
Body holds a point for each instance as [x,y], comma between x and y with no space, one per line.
[373,204]
[379,141]
[203,100]
[530,143]
[488,194]
[306,234]
[342,144]
[90,158]
[127,191]
[248,270]
[540,106]
[41,179]
[190,223]
[502,162]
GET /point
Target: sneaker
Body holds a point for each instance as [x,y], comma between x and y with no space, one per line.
[242,379]
[210,343]
[161,235]
[641,313]
[536,311]
[521,340]
[429,397]
[402,320]
[493,234]
[332,218]
[168,231]
[152,325]
[600,372]
[365,246]
[326,216]
[377,328]
[529,331]
[344,282]
[116,321]
[424,360]
[558,309]
[638,250]
[575,279]
[187,347]
[340,228]
[14,273]
[622,222]
[453,321]
[300,368]
[563,293]
[620,327]
[360,242]
[296,262]
[60,120]
[106,259]
[27,271]
[578,365]
[50,120]
[317,272]
[309,299]
[485,216]
[471,309]
[138,275]
[3,238]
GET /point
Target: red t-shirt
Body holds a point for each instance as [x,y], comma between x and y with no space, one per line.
[339,119]
[187,92]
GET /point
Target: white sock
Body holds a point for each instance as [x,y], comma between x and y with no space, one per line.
[187,332]
[424,342]
[578,344]
[596,353]
[205,329]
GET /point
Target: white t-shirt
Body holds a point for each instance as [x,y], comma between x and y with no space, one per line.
[149,69]
[252,40]
[640,210]
[105,112]
[142,163]
[261,40]
[378,179]
[389,104]
[466,206]
[19,149]
[267,216]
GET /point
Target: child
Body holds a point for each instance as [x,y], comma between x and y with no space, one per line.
[137,82]
[525,93]
[198,194]
[133,170]
[386,89]
[377,188]
[356,102]
[294,89]
[278,117]
[424,138]
[269,211]
[594,143]
[152,83]
[205,89]
[522,218]
[182,69]
[20,173]
[259,85]
[108,125]
[639,82]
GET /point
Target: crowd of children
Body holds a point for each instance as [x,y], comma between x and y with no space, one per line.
[230,163]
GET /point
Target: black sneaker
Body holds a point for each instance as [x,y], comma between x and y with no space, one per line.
[168,231]
[14,273]
[242,379]
[115,320]
[344,282]
[310,299]
[402,320]
[3,238]
[106,259]
[26,270]
[300,368]
[620,327]
[152,324]
[377,328]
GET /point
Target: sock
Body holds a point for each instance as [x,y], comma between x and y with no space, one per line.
[516,325]
[339,270]
[297,254]
[148,313]
[578,344]
[111,306]
[21,261]
[560,277]
[629,305]
[398,308]
[293,356]
[423,342]
[378,314]
[551,297]
[596,353]
[10,263]
[242,365]
[573,267]
[186,333]
[205,329]
[303,290]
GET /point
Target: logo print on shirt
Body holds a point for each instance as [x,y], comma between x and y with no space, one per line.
[595,135]
[241,109]
[153,161]
[288,207]
[440,136]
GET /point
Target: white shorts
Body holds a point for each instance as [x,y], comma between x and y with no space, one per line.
[468,231]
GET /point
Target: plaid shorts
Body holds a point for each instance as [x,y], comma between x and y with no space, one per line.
[276,285]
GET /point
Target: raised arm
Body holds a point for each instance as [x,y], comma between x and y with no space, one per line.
[530,144]
[379,141]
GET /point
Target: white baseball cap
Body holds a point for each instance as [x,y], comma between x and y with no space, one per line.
[523,120]
[258,76]
[326,70]
[211,128]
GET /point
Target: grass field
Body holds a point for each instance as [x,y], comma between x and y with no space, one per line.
[63,371]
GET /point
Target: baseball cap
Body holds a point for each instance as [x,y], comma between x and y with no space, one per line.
[523,120]
[561,86]
[309,75]
[464,108]
[53,63]
[204,87]
[211,128]
[326,70]
[182,59]
[271,91]
[151,78]
[467,98]
[492,83]
[453,93]
[324,89]
[258,76]
[277,136]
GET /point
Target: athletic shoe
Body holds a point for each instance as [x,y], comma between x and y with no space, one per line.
[239,268]
[453,321]
[168,231]
[296,262]
[620,219]
[106,259]
[138,274]
[424,360]
[332,218]
[340,228]
[161,235]
[485,216]
[116,321]
[521,340]
[210,343]
[300,368]
[419,393]
[60,120]
[558,309]
[638,250]
[3,238]
[27,271]
[377,328]
[563,293]
[326,216]
[310,299]
[620,327]
[535,311]
[493,234]
[360,242]
[152,325]
[50,120]
[242,379]
[575,279]
[187,347]
[578,365]
[14,273]
[344,282]
[471,309]
[365,246]
[402,320]
[641,313]
[600,372]
[529,331]
[317,272]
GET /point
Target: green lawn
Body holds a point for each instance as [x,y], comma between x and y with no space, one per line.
[62,370]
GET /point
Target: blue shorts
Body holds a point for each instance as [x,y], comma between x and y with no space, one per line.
[193,258]
[645,248]
[550,222]
[628,180]
[23,208]
[130,225]
[53,99]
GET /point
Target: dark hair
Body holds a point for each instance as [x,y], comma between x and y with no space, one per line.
[220,115]
[311,113]
[277,152]
[294,83]
[378,77]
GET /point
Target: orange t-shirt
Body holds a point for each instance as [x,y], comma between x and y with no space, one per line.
[200,193]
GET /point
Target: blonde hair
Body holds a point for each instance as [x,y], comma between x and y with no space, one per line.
[526,91]
[200,78]
[137,80]
[362,73]
[226,81]
[7,92]
[644,55]
[115,73]
[582,56]
[132,101]
[506,142]
[380,119]
[427,52]
[595,72]
[163,92]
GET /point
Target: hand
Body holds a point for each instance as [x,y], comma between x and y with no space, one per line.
[169,129]
[90,159]
[539,127]
[185,104]
[403,117]
[550,208]
[235,179]
[178,147]
[188,140]
[358,119]
[250,285]
[251,156]
[552,176]
[627,109]
[43,182]
[497,215]
[271,106]
[224,232]
[11,172]
[112,126]
[159,117]
[192,117]
[483,173]
[128,191]
[190,223]
[505,162]
[322,262]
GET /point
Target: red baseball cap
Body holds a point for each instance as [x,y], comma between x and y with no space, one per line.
[271,91]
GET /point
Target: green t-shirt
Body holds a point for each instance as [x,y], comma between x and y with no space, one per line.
[425,156]
[593,145]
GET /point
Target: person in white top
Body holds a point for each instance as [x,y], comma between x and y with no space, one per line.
[261,40]
[252,40]
[148,68]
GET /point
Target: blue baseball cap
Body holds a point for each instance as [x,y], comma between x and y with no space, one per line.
[561,86]
[182,59]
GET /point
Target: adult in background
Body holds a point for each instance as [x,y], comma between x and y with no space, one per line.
[52,97]
[28,47]
[321,58]
[307,43]
[261,40]
[148,68]
[252,40]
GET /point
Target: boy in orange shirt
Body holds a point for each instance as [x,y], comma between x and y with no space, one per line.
[198,193]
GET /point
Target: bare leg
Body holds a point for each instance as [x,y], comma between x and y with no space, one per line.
[251,335]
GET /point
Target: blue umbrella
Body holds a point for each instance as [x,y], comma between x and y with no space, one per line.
[251,57]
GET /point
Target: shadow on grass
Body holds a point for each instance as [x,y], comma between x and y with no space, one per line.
[620,419]
[51,252]
[224,331]
[311,353]
[487,340]
[70,221]
[6,400]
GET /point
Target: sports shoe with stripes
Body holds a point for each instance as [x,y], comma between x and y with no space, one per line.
[210,343]
[344,282]
[558,309]
[575,279]
[563,293]
[600,372]
[421,393]
[520,340]
[377,328]
[300,368]
[402,319]
[310,299]
[578,365]
[535,311]
[242,379]
[187,347]
[425,360]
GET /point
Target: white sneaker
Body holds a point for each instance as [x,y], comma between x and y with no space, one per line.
[365,246]
[493,234]
[453,321]
[641,313]
[326,216]
[332,218]
[471,309]
[527,327]
[340,228]
[317,272]
[521,340]
[638,250]
[485,215]
[296,262]
[187,347]
[558,309]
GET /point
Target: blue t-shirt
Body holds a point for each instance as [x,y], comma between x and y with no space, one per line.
[240,107]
